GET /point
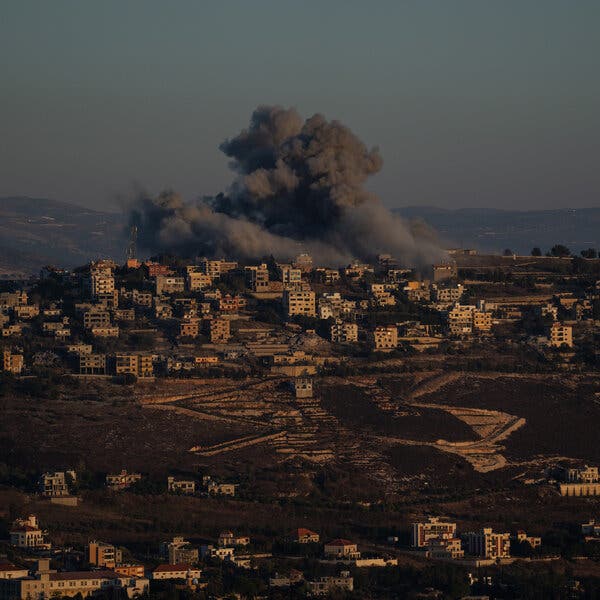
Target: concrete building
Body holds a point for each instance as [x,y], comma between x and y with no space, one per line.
[189,327]
[304,536]
[303,387]
[56,484]
[257,278]
[561,335]
[580,482]
[443,272]
[221,489]
[92,364]
[179,551]
[179,571]
[198,281]
[228,538]
[140,365]
[446,546]
[385,337]
[102,282]
[110,331]
[122,480]
[96,318]
[181,486]
[169,284]
[344,333]
[432,528]
[219,330]
[12,363]
[45,583]
[487,544]
[26,533]
[290,277]
[10,571]
[299,302]
[522,538]
[103,555]
[341,549]
[326,584]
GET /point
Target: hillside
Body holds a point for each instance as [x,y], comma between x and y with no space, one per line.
[35,232]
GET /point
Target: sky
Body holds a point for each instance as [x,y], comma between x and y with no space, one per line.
[472,103]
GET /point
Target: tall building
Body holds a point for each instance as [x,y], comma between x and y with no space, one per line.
[561,335]
[103,555]
[299,302]
[487,544]
[432,528]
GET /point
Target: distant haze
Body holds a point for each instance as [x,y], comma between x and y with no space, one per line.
[472,104]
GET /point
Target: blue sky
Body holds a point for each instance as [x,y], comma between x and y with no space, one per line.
[472,103]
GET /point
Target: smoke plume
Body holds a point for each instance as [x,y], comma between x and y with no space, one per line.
[299,186]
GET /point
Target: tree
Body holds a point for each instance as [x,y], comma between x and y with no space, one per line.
[508,252]
[589,253]
[560,251]
[536,251]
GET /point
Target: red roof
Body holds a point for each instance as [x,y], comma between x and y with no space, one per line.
[340,542]
[171,568]
[302,531]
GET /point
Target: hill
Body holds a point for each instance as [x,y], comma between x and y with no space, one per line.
[36,231]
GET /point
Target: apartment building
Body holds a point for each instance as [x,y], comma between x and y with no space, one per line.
[290,276]
[169,284]
[92,364]
[344,333]
[487,544]
[179,551]
[447,294]
[443,272]
[219,330]
[257,278]
[328,276]
[231,304]
[561,335]
[221,489]
[198,281]
[299,302]
[189,327]
[465,319]
[103,555]
[107,331]
[96,318]
[140,365]
[445,546]
[26,311]
[144,299]
[12,363]
[304,262]
[432,528]
[102,282]
[385,337]
[179,571]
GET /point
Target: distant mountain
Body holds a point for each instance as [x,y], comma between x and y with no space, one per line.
[494,230]
[35,232]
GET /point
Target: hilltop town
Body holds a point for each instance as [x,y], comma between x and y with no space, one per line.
[226,428]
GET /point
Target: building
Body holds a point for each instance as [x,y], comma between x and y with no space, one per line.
[56,485]
[304,536]
[104,555]
[180,571]
[45,583]
[181,486]
[304,262]
[432,528]
[102,282]
[122,480]
[10,571]
[580,482]
[130,570]
[299,302]
[561,335]
[189,327]
[92,364]
[168,284]
[591,529]
[447,294]
[344,333]
[487,544]
[198,281]
[111,331]
[221,489]
[443,272]
[219,330]
[522,538]
[257,278]
[96,318]
[140,365]
[228,538]
[179,551]
[341,549]
[385,337]
[12,363]
[303,387]
[465,319]
[26,533]
[231,304]
[325,585]
[290,277]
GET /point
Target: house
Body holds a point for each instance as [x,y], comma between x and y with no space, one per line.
[304,536]
[180,571]
[12,363]
[130,570]
[293,578]
[227,538]
[221,489]
[385,338]
[324,585]
[522,537]
[122,480]
[211,551]
[92,364]
[56,485]
[26,533]
[344,333]
[341,549]
[433,527]
[303,387]
[181,486]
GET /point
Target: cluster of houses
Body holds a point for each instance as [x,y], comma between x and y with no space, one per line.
[206,307]
[437,538]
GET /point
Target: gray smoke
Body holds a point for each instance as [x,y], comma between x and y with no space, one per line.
[299,187]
